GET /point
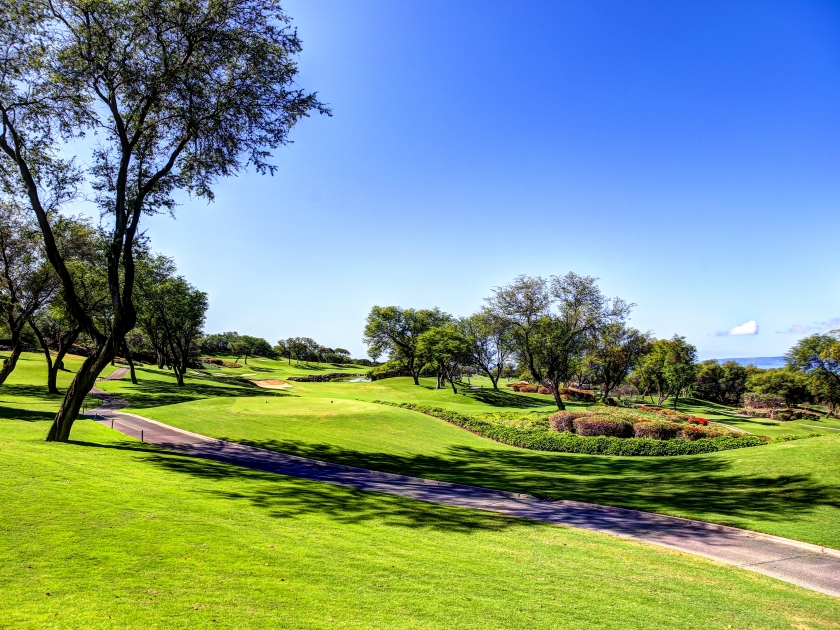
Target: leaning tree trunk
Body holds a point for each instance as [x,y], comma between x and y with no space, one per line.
[130,362]
[10,363]
[557,398]
[82,383]
[52,367]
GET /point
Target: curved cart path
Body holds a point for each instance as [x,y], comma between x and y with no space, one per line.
[807,565]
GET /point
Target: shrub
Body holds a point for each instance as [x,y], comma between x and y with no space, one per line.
[543,390]
[547,440]
[693,433]
[569,393]
[517,383]
[599,425]
[696,420]
[657,430]
[564,421]
[526,389]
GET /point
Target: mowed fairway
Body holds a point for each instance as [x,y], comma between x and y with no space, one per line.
[790,489]
[106,532]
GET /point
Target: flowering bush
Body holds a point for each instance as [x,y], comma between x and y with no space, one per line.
[565,420]
[693,433]
[599,425]
[657,430]
[542,439]
[697,420]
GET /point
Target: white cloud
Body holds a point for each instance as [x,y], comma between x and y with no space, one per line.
[747,328]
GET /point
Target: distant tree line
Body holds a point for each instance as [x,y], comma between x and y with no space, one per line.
[561,331]
[297,349]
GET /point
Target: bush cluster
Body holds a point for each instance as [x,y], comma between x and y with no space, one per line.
[599,425]
[540,439]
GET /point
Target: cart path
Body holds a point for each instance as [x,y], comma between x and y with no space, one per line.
[807,565]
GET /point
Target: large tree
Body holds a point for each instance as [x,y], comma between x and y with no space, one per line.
[616,349]
[818,356]
[724,383]
[172,314]
[790,385]
[554,321]
[444,348]
[179,94]
[396,330]
[489,342]
[668,369]
[26,280]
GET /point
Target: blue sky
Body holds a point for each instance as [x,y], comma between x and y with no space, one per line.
[687,154]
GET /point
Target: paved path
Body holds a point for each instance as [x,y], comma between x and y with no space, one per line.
[116,374]
[808,565]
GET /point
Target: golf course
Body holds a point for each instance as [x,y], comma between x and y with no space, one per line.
[107,531]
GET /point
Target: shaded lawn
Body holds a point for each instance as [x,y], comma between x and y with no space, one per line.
[790,489]
[106,532]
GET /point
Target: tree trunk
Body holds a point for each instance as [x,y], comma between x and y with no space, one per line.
[558,399]
[52,368]
[130,363]
[10,363]
[495,382]
[80,387]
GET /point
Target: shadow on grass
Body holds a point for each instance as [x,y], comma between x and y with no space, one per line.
[286,497]
[500,398]
[15,413]
[695,484]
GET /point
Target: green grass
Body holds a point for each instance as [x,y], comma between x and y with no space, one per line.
[106,532]
[790,489]
[261,368]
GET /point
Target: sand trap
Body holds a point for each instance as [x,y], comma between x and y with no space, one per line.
[271,384]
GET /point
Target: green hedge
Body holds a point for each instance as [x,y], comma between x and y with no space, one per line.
[547,440]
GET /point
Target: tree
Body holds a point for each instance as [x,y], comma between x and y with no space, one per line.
[180,95]
[342,355]
[489,342]
[395,330]
[218,343]
[724,384]
[26,280]
[616,349]
[53,325]
[554,321]
[173,314]
[249,346]
[444,348]
[790,385]
[818,356]
[668,368]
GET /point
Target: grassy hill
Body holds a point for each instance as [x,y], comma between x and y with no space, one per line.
[790,489]
[106,532]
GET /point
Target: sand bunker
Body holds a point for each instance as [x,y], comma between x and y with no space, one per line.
[271,384]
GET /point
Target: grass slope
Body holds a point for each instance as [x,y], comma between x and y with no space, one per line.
[790,489]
